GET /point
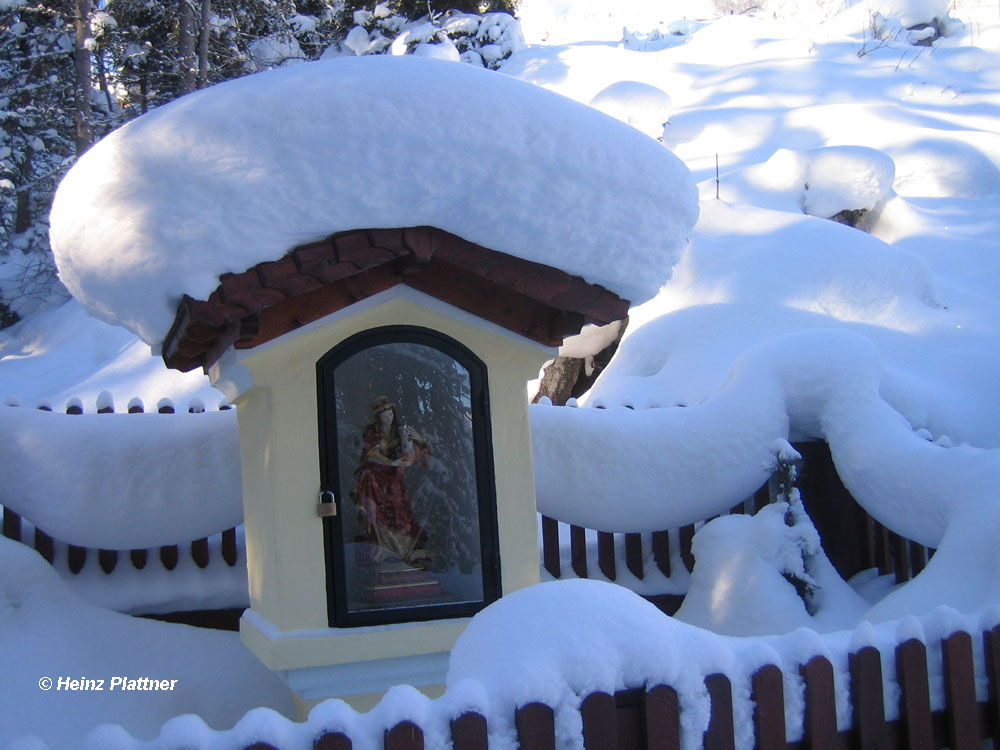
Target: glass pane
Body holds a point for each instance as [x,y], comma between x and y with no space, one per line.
[408,476]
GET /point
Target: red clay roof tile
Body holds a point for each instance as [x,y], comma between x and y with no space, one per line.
[534,300]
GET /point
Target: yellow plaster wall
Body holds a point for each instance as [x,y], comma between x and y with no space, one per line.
[278,425]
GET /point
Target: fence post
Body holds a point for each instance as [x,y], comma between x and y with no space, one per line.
[536,728]
[332,741]
[633,554]
[168,556]
[991,654]
[820,730]
[229,546]
[914,696]
[960,691]
[199,552]
[663,719]
[404,736]
[768,695]
[44,545]
[11,524]
[550,546]
[687,534]
[107,559]
[76,557]
[600,722]
[578,550]
[661,551]
[138,558]
[468,732]
[606,554]
[867,703]
[901,561]
[719,735]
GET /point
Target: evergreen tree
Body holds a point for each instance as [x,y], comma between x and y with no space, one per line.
[44,122]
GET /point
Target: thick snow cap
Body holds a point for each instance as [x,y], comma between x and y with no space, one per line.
[240,173]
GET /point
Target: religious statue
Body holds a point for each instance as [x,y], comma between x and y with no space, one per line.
[379,490]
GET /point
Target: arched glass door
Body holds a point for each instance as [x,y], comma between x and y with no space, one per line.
[406,460]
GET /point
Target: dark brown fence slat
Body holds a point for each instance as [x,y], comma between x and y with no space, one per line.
[633,554]
[199,552]
[663,719]
[687,534]
[468,732]
[107,559]
[606,554]
[550,546]
[578,550]
[600,722]
[333,741]
[260,746]
[76,557]
[960,692]
[761,497]
[11,525]
[820,729]
[404,736]
[918,557]
[719,735]
[768,696]
[871,553]
[901,560]
[536,729]
[867,702]
[75,409]
[44,545]
[229,551]
[661,551]
[916,728]
[138,558]
[169,556]
[991,655]
[883,551]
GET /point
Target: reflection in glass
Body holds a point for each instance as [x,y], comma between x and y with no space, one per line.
[407,463]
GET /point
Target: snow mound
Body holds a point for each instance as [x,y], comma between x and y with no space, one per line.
[520,649]
[205,185]
[742,561]
[942,167]
[47,631]
[644,107]
[820,182]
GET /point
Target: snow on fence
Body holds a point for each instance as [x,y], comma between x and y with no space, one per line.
[852,539]
[76,557]
[653,717]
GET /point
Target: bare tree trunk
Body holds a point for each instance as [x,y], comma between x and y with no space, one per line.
[185,48]
[206,31]
[559,379]
[81,59]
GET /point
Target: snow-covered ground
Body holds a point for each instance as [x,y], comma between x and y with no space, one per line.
[775,324]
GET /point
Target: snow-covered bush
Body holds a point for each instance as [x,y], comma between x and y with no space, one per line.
[485,40]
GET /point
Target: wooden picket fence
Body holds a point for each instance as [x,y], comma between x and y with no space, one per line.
[650,718]
[852,539]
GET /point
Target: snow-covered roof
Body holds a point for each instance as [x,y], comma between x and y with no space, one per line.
[238,174]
